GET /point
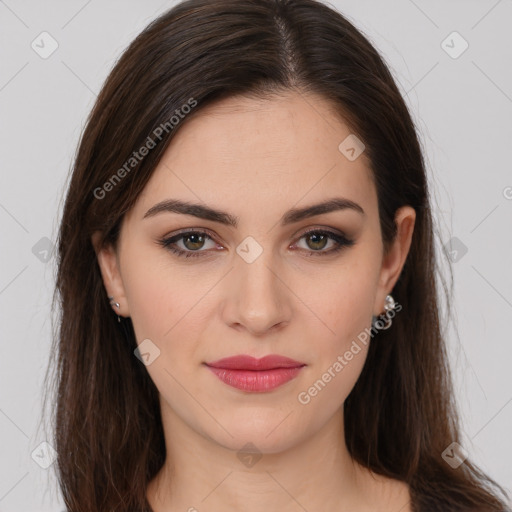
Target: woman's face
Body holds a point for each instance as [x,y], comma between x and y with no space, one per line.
[252,281]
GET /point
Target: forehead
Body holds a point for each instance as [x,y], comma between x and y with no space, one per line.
[260,152]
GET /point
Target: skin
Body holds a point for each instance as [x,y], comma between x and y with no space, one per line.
[256,159]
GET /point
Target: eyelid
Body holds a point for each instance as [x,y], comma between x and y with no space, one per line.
[327,229]
[186,231]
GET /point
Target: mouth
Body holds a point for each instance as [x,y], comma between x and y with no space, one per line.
[255,375]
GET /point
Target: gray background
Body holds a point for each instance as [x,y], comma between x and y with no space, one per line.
[462,107]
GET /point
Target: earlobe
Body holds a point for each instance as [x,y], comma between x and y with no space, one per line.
[108,263]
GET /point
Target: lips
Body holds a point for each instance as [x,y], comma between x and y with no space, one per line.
[255,375]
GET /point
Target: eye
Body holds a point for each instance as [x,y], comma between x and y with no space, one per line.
[192,243]
[318,239]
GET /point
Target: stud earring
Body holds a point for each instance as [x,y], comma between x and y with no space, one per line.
[117,305]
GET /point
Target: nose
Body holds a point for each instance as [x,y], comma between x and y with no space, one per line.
[258,298]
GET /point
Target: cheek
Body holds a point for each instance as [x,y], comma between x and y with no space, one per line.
[337,359]
[346,302]
[167,306]
[150,300]
[159,295]
[345,306]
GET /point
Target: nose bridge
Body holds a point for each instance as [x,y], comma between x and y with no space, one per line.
[259,298]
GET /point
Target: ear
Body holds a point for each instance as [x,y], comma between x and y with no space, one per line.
[393,261]
[108,262]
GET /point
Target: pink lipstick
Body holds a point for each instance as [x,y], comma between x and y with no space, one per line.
[255,375]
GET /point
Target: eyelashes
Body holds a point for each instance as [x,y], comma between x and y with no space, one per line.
[170,243]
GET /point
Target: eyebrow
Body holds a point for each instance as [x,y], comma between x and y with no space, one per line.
[289,217]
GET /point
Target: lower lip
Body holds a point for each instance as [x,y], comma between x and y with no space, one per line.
[256,380]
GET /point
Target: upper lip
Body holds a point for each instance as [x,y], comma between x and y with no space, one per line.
[244,362]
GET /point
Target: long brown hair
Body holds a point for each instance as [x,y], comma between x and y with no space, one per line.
[401,414]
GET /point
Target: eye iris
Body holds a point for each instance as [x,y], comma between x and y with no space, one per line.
[320,238]
[199,239]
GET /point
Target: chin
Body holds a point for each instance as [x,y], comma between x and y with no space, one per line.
[266,433]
